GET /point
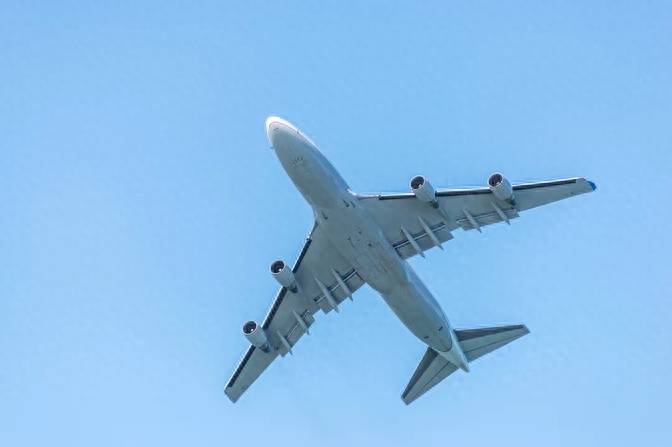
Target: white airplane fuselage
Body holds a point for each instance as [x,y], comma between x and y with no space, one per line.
[358,237]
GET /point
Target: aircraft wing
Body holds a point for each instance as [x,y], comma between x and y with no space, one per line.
[413,226]
[324,280]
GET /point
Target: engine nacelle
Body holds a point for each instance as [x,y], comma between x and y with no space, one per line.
[284,275]
[423,190]
[256,335]
[501,188]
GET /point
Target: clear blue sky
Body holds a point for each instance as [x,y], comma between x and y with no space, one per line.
[140,208]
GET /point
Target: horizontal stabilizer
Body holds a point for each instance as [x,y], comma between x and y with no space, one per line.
[433,367]
[478,342]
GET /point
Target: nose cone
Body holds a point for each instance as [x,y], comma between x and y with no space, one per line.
[278,129]
[281,133]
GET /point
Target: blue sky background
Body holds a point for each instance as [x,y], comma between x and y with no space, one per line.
[140,208]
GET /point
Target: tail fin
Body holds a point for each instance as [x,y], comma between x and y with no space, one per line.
[433,367]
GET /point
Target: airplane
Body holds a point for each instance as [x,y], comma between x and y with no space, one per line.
[362,239]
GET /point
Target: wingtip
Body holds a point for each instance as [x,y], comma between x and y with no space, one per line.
[407,398]
[231,397]
[592,185]
[521,328]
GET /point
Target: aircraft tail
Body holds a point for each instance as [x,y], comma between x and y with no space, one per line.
[434,367]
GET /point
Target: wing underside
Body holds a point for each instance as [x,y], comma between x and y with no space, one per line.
[412,226]
[325,279]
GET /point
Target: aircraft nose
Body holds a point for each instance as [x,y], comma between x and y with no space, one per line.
[278,129]
[269,128]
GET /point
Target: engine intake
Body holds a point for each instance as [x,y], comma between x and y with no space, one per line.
[256,335]
[501,188]
[284,275]
[424,190]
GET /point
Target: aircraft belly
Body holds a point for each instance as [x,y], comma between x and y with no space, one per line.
[419,312]
[360,240]
[357,240]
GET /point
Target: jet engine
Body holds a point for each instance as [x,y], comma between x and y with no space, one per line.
[284,275]
[423,190]
[255,335]
[501,188]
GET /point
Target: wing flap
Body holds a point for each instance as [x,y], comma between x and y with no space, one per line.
[486,218]
[422,238]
